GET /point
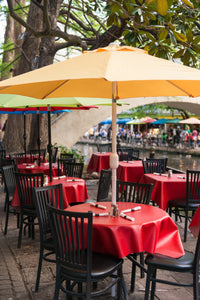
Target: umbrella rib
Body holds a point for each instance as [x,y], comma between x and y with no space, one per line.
[58,86]
[190,95]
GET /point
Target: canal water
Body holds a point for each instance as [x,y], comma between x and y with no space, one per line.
[177,161]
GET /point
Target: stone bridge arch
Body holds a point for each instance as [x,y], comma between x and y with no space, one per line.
[70,127]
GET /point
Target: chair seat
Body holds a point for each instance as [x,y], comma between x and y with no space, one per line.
[102,266]
[181,203]
[182,264]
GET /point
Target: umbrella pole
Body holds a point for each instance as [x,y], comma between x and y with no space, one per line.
[49,145]
[38,128]
[114,160]
[24,135]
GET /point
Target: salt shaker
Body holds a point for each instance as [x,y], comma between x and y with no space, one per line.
[169,173]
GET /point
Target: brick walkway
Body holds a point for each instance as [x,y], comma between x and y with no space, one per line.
[19,267]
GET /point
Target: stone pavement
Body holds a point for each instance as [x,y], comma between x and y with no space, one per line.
[18,267]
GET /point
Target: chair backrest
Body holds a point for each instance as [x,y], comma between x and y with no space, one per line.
[73,169]
[66,155]
[2,153]
[25,184]
[154,165]
[9,179]
[35,155]
[128,154]
[61,169]
[7,162]
[54,154]
[104,147]
[52,195]
[104,185]
[134,192]
[192,186]
[72,233]
[19,158]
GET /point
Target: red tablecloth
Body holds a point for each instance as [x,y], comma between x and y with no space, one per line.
[98,161]
[44,168]
[74,190]
[165,188]
[130,171]
[153,231]
[195,223]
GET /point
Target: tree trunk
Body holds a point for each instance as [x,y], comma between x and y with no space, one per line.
[13,139]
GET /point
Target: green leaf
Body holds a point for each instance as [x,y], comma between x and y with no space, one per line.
[162,34]
[189,35]
[196,48]
[196,40]
[162,7]
[187,2]
[110,20]
[186,57]
[178,54]
[180,36]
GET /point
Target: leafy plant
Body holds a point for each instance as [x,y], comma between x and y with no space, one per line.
[77,153]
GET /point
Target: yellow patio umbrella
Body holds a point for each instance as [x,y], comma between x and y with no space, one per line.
[112,72]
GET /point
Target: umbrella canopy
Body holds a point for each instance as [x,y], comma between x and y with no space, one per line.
[173,121]
[135,121]
[190,121]
[112,72]
[148,120]
[160,121]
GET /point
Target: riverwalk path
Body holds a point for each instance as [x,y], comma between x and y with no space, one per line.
[18,267]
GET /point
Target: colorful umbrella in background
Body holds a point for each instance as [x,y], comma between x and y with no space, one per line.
[112,72]
[190,121]
[161,121]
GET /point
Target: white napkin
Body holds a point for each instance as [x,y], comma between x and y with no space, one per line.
[179,176]
[59,177]
[127,217]
[100,215]
[98,205]
[131,209]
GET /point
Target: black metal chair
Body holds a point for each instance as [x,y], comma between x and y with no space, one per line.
[154,165]
[54,154]
[10,186]
[135,193]
[25,184]
[34,153]
[46,195]
[103,186]
[104,147]
[6,162]
[181,208]
[76,264]
[188,263]
[128,154]
[19,158]
[73,169]
[61,164]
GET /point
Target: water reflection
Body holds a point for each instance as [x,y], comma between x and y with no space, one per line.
[178,161]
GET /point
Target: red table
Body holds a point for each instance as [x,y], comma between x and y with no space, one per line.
[195,223]
[44,168]
[74,190]
[99,161]
[153,231]
[165,188]
[130,171]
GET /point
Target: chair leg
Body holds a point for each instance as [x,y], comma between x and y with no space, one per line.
[57,285]
[7,216]
[148,279]
[124,288]
[20,232]
[142,263]
[119,284]
[153,286]
[39,269]
[186,224]
[133,273]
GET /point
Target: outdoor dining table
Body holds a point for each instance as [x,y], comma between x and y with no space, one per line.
[130,171]
[152,230]
[99,161]
[166,188]
[74,190]
[32,168]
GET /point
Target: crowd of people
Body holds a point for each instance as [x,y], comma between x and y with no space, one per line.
[173,136]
